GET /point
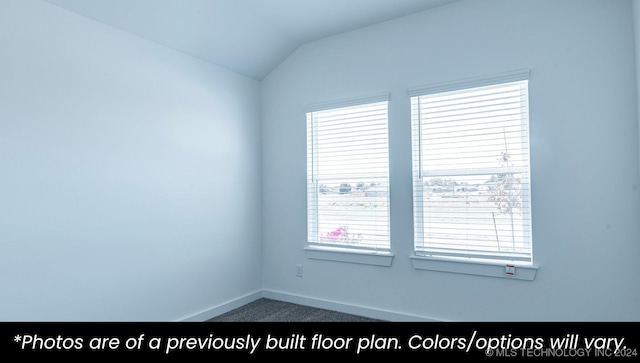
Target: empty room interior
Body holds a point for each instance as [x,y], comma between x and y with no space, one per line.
[410,160]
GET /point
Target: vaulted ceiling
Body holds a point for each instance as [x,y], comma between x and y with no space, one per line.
[250,37]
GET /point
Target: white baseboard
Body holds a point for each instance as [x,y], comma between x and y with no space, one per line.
[307,301]
[223,308]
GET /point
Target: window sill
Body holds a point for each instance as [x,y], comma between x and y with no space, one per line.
[348,255]
[471,267]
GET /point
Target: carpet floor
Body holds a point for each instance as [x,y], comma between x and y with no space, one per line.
[268,310]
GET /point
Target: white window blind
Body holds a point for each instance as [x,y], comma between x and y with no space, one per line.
[471,170]
[348,174]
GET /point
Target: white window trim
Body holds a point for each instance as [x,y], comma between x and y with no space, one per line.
[346,102]
[340,254]
[511,76]
[365,257]
[476,267]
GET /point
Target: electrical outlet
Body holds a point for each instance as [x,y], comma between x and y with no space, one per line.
[299,270]
[510,270]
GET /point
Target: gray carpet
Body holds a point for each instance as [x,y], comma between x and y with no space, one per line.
[268,310]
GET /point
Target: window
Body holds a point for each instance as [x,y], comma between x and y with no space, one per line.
[471,183]
[347,175]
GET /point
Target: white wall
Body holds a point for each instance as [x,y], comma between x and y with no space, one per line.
[636,23]
[584,158]
[129,174]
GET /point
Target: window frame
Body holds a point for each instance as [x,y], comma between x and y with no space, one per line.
[458,264]
[341,253]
